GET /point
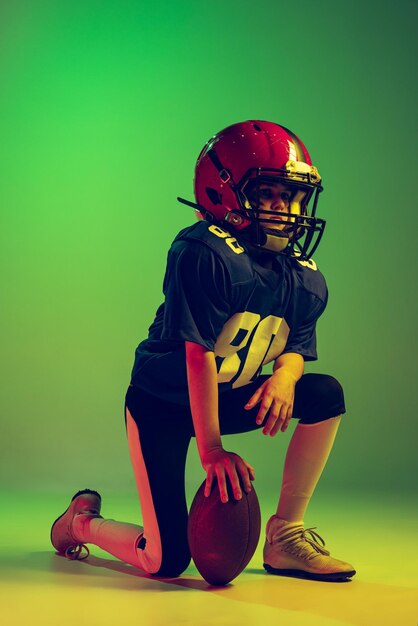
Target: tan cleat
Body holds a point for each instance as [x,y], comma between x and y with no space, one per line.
[291,550]
[85,502]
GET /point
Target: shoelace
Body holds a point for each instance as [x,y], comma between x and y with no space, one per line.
[291,541]
[75,552]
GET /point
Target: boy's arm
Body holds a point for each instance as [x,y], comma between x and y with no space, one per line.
[203,395]
[276,395]
[292,362]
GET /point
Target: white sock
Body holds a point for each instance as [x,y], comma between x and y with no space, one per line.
[117,538]
[306,457]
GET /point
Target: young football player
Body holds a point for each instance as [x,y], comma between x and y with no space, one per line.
[241,290]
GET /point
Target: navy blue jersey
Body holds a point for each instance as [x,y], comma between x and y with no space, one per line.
[218,295]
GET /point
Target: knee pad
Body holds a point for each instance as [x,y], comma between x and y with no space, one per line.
[324,398]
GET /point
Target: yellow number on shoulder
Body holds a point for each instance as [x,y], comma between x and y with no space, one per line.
[230,241]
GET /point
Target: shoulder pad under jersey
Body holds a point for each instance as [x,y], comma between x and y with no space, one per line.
[309,277]
[224,244]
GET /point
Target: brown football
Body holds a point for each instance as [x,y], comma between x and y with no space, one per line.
[223,536]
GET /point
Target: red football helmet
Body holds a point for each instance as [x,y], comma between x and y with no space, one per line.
[228,174]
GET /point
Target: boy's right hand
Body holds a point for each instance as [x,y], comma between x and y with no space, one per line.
[219,462]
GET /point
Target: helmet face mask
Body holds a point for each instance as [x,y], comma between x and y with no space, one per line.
[299,232]
[232,167]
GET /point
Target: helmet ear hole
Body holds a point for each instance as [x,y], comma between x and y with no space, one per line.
[214,196]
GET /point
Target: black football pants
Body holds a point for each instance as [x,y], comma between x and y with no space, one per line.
[159,434]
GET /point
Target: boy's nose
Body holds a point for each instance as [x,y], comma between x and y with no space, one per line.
[279,204]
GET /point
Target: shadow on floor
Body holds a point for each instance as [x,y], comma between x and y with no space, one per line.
[356,603]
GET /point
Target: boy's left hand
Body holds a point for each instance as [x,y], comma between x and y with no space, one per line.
[277,396]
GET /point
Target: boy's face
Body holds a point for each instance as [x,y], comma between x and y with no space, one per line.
[275,198]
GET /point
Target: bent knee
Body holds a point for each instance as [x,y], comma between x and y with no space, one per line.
[173,566]
[326,398]
[330,390]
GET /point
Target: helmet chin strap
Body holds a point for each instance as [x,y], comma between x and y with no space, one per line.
[275,243]
[265,240]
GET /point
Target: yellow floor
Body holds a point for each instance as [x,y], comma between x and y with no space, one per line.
[376,534]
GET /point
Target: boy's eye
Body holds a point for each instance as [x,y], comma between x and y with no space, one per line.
[267,193]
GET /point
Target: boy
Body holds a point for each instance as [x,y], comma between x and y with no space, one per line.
[241,290]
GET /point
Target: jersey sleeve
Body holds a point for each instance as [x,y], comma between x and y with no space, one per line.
[302,338]
[196,287]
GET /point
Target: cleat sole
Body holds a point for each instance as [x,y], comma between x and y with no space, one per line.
[297,573]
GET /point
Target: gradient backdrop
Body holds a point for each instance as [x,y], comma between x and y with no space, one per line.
[105,106]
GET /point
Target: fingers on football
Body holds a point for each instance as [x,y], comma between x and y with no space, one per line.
[251,471]
[209,481]
[231,468]
[246,473]
[223,492]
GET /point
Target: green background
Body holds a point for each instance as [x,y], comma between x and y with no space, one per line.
[104,109]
